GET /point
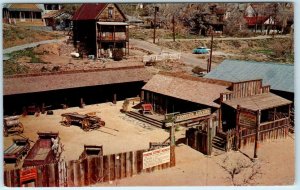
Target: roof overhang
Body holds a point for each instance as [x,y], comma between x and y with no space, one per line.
[113,23]
[258,102]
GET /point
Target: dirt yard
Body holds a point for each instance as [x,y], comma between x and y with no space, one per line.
[122,133]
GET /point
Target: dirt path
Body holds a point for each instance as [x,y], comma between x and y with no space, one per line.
[24,46]
[187,58]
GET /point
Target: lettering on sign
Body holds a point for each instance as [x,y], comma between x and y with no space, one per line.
[247,119]
[156,157]
[192,115]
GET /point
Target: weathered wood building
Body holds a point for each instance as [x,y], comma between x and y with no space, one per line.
[22,13]
[212,110]
[68,88]
[101,29]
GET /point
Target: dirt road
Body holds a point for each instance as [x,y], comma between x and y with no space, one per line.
[187,58]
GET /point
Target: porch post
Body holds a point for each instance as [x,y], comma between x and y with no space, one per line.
[274,117]
[257,133]
[237,128]
[96,41]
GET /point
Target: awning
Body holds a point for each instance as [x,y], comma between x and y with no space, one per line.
[258,102]
[113,23]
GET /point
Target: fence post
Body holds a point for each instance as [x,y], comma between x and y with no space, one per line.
[237,128]
[257,134]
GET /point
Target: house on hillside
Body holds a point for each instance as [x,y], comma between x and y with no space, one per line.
[100,29]
[21,13]
[269,18]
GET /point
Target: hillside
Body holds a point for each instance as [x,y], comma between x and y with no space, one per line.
[18,35]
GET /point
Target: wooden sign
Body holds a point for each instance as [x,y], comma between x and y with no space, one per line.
[247,119]
[192,115]
[156,157]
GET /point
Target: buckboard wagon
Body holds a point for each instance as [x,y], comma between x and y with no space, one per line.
[91,150]
[16,151]
[44,150]
[12,124]
[86,121]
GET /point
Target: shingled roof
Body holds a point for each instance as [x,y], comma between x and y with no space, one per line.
[193,89]
[279,76]
[40,83]
[23,7]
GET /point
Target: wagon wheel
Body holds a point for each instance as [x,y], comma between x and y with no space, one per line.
[85,124]
[20,128]
[66,121]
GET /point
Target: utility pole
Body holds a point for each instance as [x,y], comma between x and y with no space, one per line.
[155,11]
[211,49]
[173,22]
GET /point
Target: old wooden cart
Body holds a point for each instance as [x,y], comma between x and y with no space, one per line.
[86,121]
[91,150]
[42,151]
[11,125]
[16,151]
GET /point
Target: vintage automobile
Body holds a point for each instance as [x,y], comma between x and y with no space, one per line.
[201,50]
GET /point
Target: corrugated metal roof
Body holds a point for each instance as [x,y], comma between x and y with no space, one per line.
[279,76]
[188,88]
[89,11]
[258,102]
[40,83]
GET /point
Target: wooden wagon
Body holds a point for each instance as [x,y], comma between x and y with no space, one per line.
[91,150]
[86,121]
[16,151]
[12,124]
[42,151]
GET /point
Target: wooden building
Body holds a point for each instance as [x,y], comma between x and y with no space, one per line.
[68,88]
[101,29]
[213,110]
[22,13]
[57,19]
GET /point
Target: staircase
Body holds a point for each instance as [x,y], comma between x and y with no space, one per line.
[145,119]
[219,143]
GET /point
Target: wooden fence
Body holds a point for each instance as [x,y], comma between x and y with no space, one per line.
[267,131]
[161,57]
[92,170]
[199,140]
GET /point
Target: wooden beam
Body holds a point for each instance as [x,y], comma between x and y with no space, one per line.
[256,144]
[237,127]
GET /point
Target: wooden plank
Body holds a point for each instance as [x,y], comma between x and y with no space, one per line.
[51,173]
[56,172]
[90,173]
[139,161]
[134,162]
[112,167]
[82,171]
[70,174]
[128,164]
[117,166]
[106,168]
[172,156]
[76,173]
[123,165]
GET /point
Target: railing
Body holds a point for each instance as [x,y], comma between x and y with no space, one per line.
[110,36]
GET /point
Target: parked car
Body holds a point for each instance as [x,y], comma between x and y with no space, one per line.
[201,50]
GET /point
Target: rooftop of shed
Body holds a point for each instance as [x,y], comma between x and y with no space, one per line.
[40,83]
[193,89]
[258,102]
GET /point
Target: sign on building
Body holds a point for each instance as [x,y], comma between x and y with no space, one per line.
[156,157]
[192,115]
[247,119]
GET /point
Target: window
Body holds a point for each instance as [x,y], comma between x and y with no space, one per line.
[110,12]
